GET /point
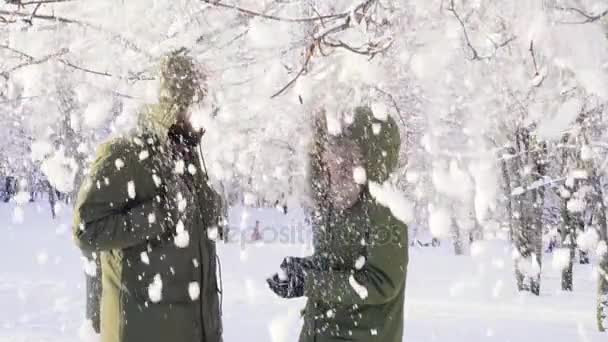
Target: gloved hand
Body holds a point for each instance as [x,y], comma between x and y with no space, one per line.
[291,283]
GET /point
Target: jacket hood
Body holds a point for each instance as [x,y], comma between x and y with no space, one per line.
[378,142]
[180,84]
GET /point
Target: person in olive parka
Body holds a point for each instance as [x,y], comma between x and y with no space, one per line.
[355,279]
[145,209]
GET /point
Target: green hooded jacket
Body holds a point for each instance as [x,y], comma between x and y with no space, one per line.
[356,292]
[147,214]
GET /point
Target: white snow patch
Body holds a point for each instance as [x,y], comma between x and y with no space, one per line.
[42,258]
[143,155]
[561,259]
[86,333]
[250,199]
[182,238]
[119,164]
[602,248]
[192,169]
[22,197]
[131,189]
[376,128]
[576,205]
[157,180]
[360,263]
[359,175]
[359,289]
[194,290]
[554,127]
[440,222]
[212,233]
[40,149]
[586,153]
[380,111]
[89,266]
[155,289]
[390,197]
[97,113]
[60,171]
[144,258]
[180,167]
[588,240]
[18,215]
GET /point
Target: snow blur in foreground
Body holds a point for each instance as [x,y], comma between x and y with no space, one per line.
[464,299]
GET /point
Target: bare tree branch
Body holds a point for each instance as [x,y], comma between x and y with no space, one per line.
[589,18]
[475,54]
[310,52]
[320,39]
[252,13]
[34,62]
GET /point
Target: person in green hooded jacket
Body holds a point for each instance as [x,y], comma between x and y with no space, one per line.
[355,279]
[147,211]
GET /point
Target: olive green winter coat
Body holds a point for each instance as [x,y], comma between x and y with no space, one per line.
[147,211]
[356,292]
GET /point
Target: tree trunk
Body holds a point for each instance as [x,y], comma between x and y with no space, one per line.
[457,238]
[52,199]
[600,214]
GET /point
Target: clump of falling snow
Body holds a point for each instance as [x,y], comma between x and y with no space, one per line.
[145,258]
[586,153]
[131,189]
[390,197]
[60,171]
[440,222]
[155,289]
[380,111]
[576,205]
[180,167]
[119,164]
[212,233]
[359,175]
[89,266]
[561,259]
[194,290]
[182,237]
[360,263]
[602,248]
[587,241]
[143,155]
[359,289]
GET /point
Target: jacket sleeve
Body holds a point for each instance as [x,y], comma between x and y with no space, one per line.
[117,206]
[378,281]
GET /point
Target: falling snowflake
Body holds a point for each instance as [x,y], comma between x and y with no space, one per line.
[194,290]
[145,258]
[143,155]
[359,289]
[131,189]
[119,164]
[182,237]
[155,289]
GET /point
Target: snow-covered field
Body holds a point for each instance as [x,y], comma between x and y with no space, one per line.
[469,298]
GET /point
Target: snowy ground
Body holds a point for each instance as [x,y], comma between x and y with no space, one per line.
[469,298]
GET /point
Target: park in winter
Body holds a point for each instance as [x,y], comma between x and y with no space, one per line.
[303,170]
